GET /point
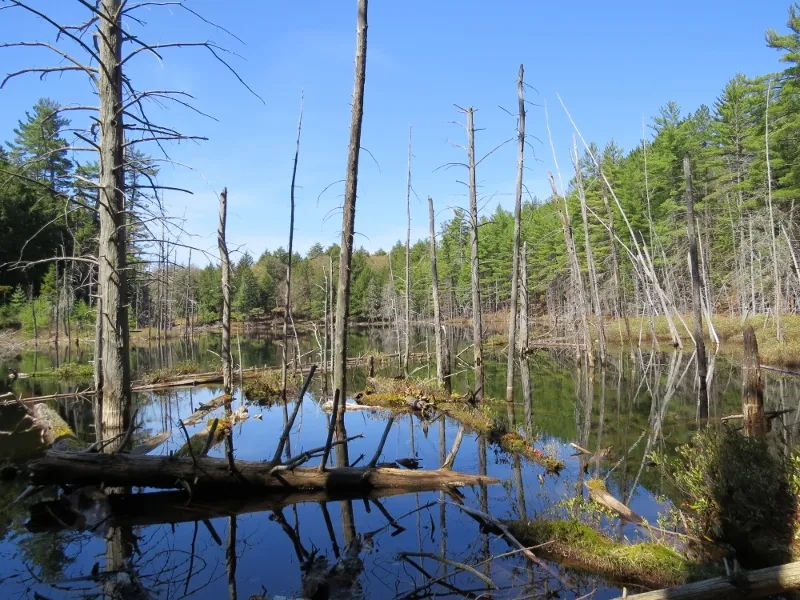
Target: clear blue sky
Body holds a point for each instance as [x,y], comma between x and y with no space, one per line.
[613,63]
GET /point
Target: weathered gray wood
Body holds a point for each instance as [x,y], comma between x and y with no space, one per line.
[697,308]
[225,266]
[748,585]
[348,221]
[151,443]
[113,377]
[407,346]
[442,349]
[512,313]
[477,315]
[755,422]
[56,433]
[165,472]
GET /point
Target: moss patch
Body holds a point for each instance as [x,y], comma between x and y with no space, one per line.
[392,394]
[167,373]
[265,388]
[68,371]
[577,545]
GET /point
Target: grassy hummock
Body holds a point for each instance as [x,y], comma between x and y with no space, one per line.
[165,374]
[71,370]
[265,387]
[575,544]
[392,394]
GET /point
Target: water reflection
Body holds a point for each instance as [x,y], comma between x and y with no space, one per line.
[167,545]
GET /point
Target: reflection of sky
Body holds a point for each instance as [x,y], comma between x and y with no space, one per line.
[266,554]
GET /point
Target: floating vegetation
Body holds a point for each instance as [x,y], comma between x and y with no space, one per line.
[71,370]
[575,544]
[166,373]
[265,387]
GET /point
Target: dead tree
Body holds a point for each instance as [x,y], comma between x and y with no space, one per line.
[512,313]
[288,298]
[477,316]
[406,349]
[771,212]
[697,308]
[522,334]
[442,349]
[590,266]
[755,422]
[225,267]
[349,217]
[575,270]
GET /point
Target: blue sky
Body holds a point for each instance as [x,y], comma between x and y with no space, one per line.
[613,63]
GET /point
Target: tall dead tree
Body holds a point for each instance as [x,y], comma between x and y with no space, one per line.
[575,270]
[512,313]
[522,313]
[477,315]
[225,267]
[288,297]
[442,349]
[697,308]
[348,219]
[771,212]
[590,266]
[407,347]
[114,385]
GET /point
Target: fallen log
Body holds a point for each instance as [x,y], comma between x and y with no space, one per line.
[207,408]
[743,585]
[349,407]
[151,443]
[167,472]
[56,433]
[599,493]
[212,434]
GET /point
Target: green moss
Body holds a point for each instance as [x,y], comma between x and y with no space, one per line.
[68,371]
[265,388]
[577,545]
[176,370]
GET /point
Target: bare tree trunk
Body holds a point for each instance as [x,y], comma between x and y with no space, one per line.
[406,349]
[348,224]
[775,269]
[331,333]
[114,391]
[512,312]
[288,298]
[622,311]
[477,318]
[522,334]
[56,310]
[225,267]
[755,423]
[188,311]
[593,287]
[697,308]
[325,333]
[575,268]
[442,350]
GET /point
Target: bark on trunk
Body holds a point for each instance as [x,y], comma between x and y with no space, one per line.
[348,222]
[512,312]
[522,334]
[165,472]
[442,350]
[697,307]
[114,385]
[477,318]
[225,267]
[755,422]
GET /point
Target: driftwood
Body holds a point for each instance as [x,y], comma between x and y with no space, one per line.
[164,472]
[350,407]
[151,443]
[599,493]
[752,584]
[207,408]
[212,434]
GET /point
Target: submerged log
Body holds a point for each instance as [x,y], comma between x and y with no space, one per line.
[752,584]
[599,493]
[167,472]
[56,433]
[205,409]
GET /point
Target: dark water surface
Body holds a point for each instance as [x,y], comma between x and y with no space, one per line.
[639,403]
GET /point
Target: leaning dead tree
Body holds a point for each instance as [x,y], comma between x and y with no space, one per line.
[349,216]
[697,309]
[442,349]
[288,297]
[512,314]
[225,267]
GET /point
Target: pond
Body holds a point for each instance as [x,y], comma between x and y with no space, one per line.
[237,547]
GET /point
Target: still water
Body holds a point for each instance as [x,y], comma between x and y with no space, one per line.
[639,403]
